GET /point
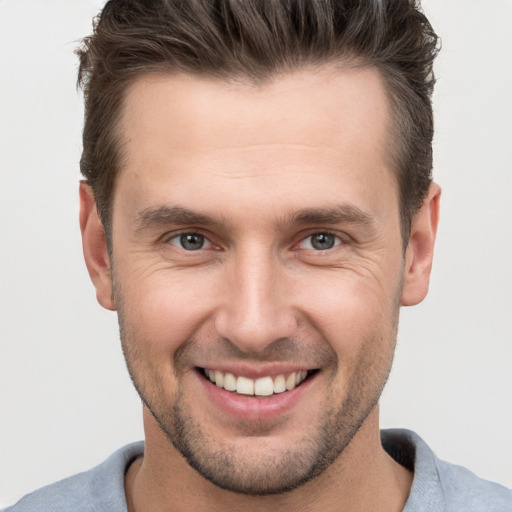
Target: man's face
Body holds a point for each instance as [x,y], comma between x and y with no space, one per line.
[256,241]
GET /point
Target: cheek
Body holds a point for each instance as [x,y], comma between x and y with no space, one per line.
[165,309]
[351,309]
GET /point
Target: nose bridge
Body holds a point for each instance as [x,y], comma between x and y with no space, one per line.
[256,311]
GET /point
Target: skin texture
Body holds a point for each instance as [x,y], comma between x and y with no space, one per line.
[257,171]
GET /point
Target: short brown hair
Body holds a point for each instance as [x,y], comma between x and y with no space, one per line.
[258,39]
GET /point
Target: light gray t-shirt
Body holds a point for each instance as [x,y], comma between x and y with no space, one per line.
[438,486]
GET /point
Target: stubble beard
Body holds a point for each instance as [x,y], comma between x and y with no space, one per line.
[272,472]
[266,473]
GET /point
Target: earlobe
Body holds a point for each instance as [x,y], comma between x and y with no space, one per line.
[420,250]
[95,248]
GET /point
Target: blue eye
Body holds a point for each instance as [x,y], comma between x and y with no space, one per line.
[320,241]
[190,241]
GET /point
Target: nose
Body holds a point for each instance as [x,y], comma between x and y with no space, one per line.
[256,308]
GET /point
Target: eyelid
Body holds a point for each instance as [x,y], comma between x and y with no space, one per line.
[175,236]
[341,239]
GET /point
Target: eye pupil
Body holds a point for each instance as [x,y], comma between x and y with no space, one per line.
[191,241]
[322,241]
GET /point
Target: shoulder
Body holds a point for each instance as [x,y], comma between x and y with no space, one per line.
[99,489]
[443,486]
[466,491]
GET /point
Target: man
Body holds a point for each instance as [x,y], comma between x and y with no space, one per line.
[258,204]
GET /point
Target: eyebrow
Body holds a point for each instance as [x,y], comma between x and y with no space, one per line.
[340,214]
[177,215]
[173,215]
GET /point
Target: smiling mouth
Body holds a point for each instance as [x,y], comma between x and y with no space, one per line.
[263,386]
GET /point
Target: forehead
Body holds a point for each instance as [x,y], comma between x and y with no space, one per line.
[303,132]
[312,107]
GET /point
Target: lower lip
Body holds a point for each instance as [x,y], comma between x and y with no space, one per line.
[254,408]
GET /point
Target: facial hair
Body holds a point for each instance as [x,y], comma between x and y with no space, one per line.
[267,472]
[275,473]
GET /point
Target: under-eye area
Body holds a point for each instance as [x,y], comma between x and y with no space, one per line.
[263,386]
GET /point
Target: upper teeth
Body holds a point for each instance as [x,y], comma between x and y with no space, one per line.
[264,386]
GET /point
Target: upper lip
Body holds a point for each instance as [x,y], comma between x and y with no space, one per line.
[255,372]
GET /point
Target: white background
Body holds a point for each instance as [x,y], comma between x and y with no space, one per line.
[65,398]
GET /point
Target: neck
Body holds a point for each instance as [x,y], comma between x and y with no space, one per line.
[363,477]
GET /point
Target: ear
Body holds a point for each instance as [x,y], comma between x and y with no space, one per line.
[420,250]
[95,248]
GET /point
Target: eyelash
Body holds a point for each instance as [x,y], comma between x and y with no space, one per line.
[337,240]
[179,241]
[179,244]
